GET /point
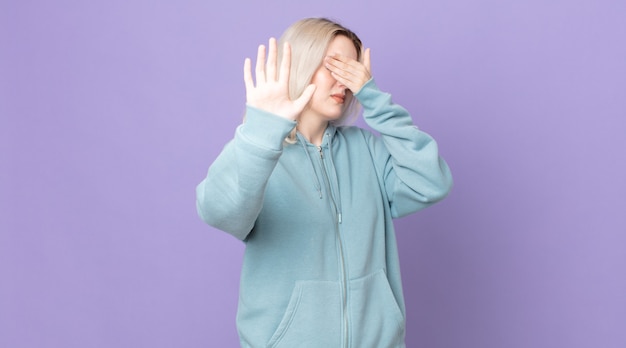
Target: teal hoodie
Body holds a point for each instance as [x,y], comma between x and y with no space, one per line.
[321,263]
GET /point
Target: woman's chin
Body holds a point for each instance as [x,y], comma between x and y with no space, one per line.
[334,116]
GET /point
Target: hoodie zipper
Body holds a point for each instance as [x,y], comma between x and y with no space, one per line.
[344,289]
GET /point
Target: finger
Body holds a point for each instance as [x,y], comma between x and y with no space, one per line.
[353,82]
[304,98]
[344,67]
[343,80]
[344,73]
[367,61]
[349,72]
[337,61]
[285,64]
[260,65]
[270,71]
[247,74]
[343,61]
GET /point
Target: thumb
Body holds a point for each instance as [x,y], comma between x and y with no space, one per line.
[367,60]
[301,102]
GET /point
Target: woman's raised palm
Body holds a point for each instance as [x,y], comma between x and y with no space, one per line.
[271,92]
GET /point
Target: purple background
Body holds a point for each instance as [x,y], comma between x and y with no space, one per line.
[111,113]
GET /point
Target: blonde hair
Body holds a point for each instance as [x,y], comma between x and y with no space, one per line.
[309,39]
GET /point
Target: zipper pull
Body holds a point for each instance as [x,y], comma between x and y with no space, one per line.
[319,148]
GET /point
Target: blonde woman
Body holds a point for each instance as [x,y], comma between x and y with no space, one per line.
[313,200]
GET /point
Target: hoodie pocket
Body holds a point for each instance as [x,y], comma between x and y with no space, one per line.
[312,317]
[375,312]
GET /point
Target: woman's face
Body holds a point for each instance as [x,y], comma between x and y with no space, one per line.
[331,98]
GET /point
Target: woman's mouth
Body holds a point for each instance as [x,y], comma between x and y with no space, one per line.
[339,98]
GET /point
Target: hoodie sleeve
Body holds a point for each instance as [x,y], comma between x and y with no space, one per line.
[408,160]
[230,198]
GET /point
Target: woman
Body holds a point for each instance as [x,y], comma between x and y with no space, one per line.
[314,201]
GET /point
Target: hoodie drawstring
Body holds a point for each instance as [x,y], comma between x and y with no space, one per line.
[336,181]
[318,186]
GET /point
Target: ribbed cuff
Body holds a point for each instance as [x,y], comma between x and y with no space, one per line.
[265,129]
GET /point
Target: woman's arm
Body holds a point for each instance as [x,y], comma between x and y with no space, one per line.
[231,196]
[414,174]
[408,160]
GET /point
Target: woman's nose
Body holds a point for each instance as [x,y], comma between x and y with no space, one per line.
[340,85]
